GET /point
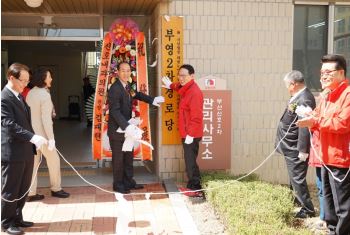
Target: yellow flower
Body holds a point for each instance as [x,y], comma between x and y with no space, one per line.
[292,107]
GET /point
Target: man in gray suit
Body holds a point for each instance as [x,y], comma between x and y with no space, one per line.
[120,98]
[17,150]
[296,145]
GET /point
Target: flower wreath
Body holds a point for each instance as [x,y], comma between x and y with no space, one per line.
[123,31]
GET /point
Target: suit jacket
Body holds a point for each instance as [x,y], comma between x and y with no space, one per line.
[39,100]
[120,107]
[298,139]
[16,129]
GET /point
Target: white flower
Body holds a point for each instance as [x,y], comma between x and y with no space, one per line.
[128,47]
[132,52]
[133,73]
[117,47]
[302,110]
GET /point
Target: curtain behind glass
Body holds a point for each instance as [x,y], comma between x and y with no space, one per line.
[310,42]
[342,33]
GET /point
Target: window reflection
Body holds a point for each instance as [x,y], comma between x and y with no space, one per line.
[310,42]
[342,32]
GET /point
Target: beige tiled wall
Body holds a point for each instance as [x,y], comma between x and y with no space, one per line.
[248,43]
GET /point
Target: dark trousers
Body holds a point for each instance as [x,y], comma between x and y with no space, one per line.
[122,163]
[192,169]
[16,178]
[336,200]
[297,171]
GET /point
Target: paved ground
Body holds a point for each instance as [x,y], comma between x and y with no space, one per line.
[91,211]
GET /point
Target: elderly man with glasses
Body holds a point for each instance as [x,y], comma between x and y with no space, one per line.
[332,119]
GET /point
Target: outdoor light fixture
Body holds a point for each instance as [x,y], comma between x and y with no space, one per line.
[47,23]
[47,20]
[34,3]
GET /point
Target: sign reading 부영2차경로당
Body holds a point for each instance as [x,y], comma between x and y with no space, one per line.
[172,57]
[215,147]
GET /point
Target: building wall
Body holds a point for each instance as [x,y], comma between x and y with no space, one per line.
[248,43]
[170,162]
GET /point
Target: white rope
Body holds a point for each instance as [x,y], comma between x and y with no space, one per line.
[148,194]
[86,181]
[31,185]
[324,165]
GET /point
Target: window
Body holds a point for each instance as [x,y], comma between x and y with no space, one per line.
[340,25]
[310,41]
[311,34]
[92,59]
[342,13]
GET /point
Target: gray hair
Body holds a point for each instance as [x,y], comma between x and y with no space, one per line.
[294,76]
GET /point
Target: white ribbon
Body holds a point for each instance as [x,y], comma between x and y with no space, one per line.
[130,141]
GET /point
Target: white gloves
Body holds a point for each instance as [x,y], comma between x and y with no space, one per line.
[51,145]
[135,121]
[132,134]
[189,139]
[303,156]
[133,131]
[38,141]
[167,82]
[158,100]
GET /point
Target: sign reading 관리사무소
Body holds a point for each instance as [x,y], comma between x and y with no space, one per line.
[215,147]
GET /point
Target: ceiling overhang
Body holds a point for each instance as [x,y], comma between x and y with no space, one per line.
[89,7]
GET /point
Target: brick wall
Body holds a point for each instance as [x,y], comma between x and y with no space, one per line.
[248,43]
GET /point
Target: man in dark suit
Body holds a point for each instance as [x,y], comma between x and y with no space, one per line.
[17,150]
[295,145]
[120,98]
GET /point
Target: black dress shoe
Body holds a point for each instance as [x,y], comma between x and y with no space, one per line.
[36,197]
[24,224]
[137,186]
[302,214]
[13,230]
[60,194]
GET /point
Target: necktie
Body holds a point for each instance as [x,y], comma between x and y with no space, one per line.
[127,88]
[20,97]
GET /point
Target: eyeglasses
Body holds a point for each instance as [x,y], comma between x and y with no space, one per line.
[183,75]
[23,82]
[327,72]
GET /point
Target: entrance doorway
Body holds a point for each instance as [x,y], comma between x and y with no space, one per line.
[56,34]
[64,59]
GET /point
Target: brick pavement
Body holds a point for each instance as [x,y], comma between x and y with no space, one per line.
[91,211]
